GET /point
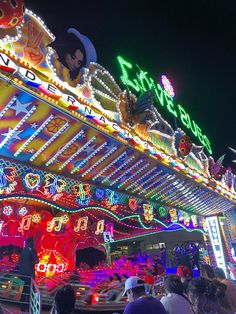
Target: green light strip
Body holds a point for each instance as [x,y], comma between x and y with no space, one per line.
[142,83]
[102,209]
[74,210]
[159,231]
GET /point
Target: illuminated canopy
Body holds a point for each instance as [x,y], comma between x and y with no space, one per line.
[81,132]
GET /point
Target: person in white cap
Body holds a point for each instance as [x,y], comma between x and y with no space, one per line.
[139,301]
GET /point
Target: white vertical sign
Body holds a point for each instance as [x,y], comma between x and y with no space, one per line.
[214,233]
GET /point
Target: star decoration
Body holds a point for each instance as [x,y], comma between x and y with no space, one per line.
[34,125]
[125,177]
[82,135]
[90,149]
[20,107]
[123,160]
[14,136]
[108,148]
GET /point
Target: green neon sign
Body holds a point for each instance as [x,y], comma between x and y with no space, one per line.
[142,82]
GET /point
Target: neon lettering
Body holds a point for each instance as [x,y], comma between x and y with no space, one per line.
[141,82]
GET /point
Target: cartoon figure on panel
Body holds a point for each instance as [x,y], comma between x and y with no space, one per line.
[72,53]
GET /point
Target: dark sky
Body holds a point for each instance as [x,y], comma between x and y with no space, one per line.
[192,42]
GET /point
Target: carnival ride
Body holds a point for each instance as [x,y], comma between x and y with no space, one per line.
[84,163]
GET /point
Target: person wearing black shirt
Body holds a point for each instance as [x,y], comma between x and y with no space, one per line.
[27,261]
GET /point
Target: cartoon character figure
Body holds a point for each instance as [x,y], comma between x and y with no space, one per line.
[71,54]
[180,215]
[133,204]
[148,212]
[53,184]
[112,197]
[7,179]
[216,168]
[229,178]
[11,13]
[99,194]
[187,219]
[183,143]
[126,107]
[82,191]
[136,111]
[194,220]
[173,215]
[7,174]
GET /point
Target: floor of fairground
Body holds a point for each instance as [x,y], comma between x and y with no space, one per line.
[13,309]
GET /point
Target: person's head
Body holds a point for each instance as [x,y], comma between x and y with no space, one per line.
[156,257]
[202,291]
[148,272]
[183,272]
[197,289]
[153,269]
[65,300]
[124,277]
[109,279]
[149,260]
[207,272]
[117,277]
[134,288]
[177,249]
[219,273]
[74,61]
[71,53]
[29,242]
[216,289]
[173,284]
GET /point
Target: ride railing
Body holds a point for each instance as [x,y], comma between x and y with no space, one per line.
[20,290]
[35,299]
[48,287]
[11,287]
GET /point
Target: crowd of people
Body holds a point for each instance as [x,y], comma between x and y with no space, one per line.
[138,262]
[187,254]
[211,293]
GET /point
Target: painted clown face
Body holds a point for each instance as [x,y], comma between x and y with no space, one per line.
[11,13]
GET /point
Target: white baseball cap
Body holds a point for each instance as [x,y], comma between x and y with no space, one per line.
[133,282]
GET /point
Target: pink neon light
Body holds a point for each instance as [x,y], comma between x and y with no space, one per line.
[167,86]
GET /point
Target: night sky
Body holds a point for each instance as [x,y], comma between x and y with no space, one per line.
[191,42]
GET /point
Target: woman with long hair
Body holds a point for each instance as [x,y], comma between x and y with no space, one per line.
[208,297]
